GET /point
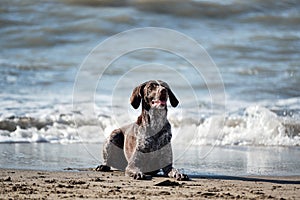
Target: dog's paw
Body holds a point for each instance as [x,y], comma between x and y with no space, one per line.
[182,177]
[138,176]
[141,176]
[103,168]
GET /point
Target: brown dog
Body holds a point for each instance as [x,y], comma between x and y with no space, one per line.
[144,147]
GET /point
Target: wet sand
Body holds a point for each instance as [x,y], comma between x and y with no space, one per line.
[89,184]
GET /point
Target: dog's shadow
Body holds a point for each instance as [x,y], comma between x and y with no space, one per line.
[215,177]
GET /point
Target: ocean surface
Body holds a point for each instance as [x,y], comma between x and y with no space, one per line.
[67,70]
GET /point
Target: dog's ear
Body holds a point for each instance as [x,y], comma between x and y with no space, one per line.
[173,100]
[137,95]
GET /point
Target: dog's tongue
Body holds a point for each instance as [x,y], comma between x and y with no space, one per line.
[160,102]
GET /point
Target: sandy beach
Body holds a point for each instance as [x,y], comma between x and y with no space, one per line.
[89,184]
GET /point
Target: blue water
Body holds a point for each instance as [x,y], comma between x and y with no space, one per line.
[204,160]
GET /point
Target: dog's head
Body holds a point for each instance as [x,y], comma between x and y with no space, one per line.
[153,94]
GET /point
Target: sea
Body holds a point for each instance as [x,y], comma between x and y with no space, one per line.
[68,68]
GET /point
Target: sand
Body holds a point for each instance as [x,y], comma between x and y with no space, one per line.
[89,184]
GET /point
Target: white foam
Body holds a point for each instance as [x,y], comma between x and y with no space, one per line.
[256,125]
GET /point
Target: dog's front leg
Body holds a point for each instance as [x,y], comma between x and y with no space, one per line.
[174,173]
[132,170]
[135,173]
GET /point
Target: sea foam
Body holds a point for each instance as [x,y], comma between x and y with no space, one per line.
[255,126]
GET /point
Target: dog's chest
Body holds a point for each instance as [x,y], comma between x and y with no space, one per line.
[157,119]
[149,140]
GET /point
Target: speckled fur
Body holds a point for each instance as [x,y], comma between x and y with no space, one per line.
[144,147]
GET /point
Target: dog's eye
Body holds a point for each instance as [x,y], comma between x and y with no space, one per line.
[152,85]
[151,88]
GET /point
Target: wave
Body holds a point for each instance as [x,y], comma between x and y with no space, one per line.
[267,10]
[255,126]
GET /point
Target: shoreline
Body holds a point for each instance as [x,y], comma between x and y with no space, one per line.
[89,184]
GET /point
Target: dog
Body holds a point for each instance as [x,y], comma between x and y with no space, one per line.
[143,148]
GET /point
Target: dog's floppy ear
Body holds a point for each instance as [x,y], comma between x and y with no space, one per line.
[173,100]
[137,95]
